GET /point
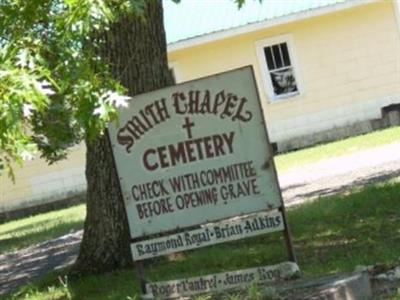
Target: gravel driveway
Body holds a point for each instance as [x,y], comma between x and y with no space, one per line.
[340,174]
[326,177]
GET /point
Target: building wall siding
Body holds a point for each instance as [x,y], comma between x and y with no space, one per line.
[39,183]
[348,62]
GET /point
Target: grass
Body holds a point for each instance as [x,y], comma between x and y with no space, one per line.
[332,234]
[25,232]
[294,159]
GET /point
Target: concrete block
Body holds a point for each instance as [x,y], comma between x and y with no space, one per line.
[393,118]
[354,286]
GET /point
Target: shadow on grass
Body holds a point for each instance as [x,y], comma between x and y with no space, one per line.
[34,226]
[23,266]
[334,234]
[338,233]
[37,234]
[365,181]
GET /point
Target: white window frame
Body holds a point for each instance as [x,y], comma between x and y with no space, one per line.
[265,72]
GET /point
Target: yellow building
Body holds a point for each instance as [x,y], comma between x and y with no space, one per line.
[325,69]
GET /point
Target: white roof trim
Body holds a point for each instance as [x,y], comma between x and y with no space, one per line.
[223,34]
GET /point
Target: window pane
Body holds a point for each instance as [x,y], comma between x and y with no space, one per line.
[277,56]
[268,56]
[285,54]
[283,81]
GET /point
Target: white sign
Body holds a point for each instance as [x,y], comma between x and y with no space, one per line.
[194,153]
[209,234]
[220,282]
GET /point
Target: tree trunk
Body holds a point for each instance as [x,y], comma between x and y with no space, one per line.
[135,50]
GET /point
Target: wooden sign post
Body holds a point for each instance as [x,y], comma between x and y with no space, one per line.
[196,168]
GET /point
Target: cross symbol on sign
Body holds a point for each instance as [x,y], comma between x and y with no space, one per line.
[188,126]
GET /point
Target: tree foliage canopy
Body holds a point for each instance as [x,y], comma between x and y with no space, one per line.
[54,89]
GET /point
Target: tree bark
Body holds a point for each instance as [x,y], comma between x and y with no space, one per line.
[135,50]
